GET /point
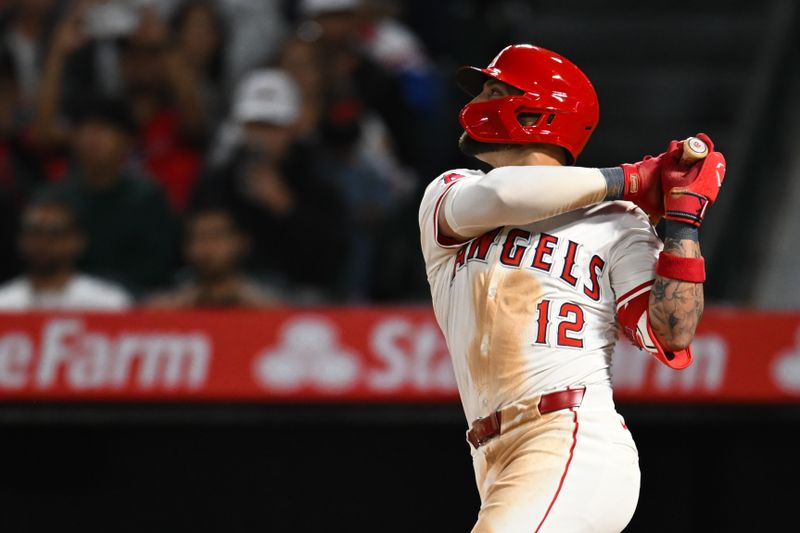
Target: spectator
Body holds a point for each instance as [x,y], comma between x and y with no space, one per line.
[50,243]
[260,32]
[349,72]
[356,153]
[303,61]
[369,190]
[339,85]
[159,81]
[199,36]
[388,138]
[20,171]
[215,249]
[391,43]
[394,46]
[294,218]
[26,29]
[125,215]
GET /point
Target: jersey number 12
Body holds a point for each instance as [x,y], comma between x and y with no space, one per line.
[570,323]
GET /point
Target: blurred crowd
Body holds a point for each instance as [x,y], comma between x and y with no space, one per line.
[210,153]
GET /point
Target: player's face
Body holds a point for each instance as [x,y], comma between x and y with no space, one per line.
[492,89]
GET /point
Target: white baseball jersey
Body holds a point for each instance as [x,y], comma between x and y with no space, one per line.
[532,308]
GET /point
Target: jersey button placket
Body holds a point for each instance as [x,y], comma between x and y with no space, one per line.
[491,302]
[485,338]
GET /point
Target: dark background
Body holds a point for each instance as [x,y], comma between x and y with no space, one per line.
[350,468]
[662,71]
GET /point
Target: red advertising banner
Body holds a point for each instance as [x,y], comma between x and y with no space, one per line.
[346,354]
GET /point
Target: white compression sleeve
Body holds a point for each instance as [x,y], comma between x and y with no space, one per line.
[510,196]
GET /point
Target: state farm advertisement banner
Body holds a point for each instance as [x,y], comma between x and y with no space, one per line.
[345,354]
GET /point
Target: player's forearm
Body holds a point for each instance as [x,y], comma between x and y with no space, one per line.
[676,306]
[519,195]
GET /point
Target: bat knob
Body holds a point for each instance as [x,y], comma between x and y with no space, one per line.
[693,150]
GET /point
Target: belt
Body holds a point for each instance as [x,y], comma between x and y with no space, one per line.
[488,427]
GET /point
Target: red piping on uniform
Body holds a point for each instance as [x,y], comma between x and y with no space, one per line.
[443,240]
[635,289]
[566,468]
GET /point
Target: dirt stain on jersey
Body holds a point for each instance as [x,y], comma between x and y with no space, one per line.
[504,314]
[484,311]
[521,469]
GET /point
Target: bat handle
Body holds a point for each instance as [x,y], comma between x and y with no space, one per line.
[693,151]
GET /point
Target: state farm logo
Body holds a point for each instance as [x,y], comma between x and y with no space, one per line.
[308,353]
[67,354]
[785,368]
[399,354]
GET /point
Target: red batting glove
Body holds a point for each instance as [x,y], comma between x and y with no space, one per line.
[689,190]
[643,185]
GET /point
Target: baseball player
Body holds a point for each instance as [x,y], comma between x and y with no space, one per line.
[534,267]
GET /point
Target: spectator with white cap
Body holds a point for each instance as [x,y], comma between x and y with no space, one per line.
[266,108]
[293,217]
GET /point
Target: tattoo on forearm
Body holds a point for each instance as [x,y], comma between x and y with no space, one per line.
[681,247]
[676,306]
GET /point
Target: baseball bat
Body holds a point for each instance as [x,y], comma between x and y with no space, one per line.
[693,151]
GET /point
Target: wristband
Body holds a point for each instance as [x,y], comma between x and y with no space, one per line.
[615,182]
[691,269]
[681,231]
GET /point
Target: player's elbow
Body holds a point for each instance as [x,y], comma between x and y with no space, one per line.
[499,189]
[493,196]
[676,341]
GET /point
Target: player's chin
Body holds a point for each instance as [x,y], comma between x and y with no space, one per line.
[472,148]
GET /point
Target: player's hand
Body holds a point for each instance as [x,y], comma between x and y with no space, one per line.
[689,190]
[643,185]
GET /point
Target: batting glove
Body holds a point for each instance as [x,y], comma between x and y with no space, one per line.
[643,185]
[689,190]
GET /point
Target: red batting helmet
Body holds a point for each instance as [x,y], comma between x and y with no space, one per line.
[554,88]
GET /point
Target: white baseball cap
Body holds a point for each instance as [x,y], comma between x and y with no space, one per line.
[313,8]
[267,95]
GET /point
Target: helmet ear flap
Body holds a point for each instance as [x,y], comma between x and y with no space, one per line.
[511,119]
